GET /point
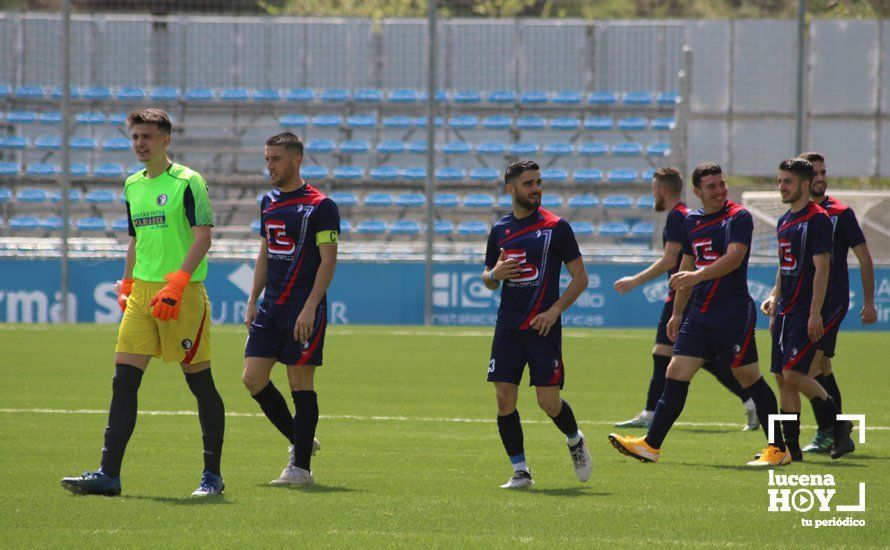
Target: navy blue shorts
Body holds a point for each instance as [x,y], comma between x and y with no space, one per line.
[722,337]
[828,342]
[792,348]
[511,349]
[271,334]
[661,334]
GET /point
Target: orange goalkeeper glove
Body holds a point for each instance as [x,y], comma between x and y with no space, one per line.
[166,302]
[126,287]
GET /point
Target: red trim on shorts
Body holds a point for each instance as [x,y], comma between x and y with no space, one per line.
[737,361]
[810,344]
[191,353]
[311,349]
[557,376]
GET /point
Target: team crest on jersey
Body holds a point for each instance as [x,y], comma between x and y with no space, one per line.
[162,199]
[186,344]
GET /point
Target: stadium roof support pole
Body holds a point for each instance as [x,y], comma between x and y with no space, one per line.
[66,155]
[430,161]
[801,60]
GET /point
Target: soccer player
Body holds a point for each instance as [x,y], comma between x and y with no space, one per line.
[796,322]
[667,185]
[166,309]
[526,250]
[719,325]
[300,228]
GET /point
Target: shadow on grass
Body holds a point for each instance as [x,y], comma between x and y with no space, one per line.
[311,488]
[183,501]
[568,492]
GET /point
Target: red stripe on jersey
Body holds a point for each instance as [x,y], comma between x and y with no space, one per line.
[312,196]
[311,349]
[707,304]
[833,206]
[682,208]
[810,343]
[543,290]
[191,353]
[550,220]
[290,283]
[813,209]
[737,360]
[793,296]
[733,209]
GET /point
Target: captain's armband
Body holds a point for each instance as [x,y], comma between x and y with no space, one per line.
[330,236]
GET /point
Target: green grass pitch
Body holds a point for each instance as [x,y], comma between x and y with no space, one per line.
[410,453]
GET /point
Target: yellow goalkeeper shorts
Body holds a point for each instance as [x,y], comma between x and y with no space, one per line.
[184,340]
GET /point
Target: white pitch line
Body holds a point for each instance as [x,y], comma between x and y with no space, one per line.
[376,418]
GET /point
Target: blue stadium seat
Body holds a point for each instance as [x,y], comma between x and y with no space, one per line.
[446,200]
[549,200]
[664,124]
[554,175]
[558,149]
[505,201]
[593,149]
[668,98]
[50,117]
[41,169]
[484,174]
[646,201]
[531,123]
[567,97]
[344,199]
[384,173]
[598,123]
[348,172]
[117,119]
[523,148]
[95,93]
[199,94]
[300,95]
[116,144]
[472,227]
[457,148]
[463,122]
[52,143]
[82,143]
[31,195]
[131,93]
[450,173]
[565,123]
[648,174]
[30,92]
[410,200]
[490,148]
[420,122]
[361,121]
[100,196]
[378,200]
[391,147]
[91,118]
[588,175]
[123,224]
[265,94]
[502,96]
[582,229]
[234,94]
[334,95]
[416,147]
[478,200]
[9,169]
[5,195]
[621,175]
[602,98]
[583,201]
[314,172]
[618,201]
[24,223]
[21,117]
[371,227]
[91,223]
[627,149]
[50,223]
[659,149]
[403,95]
[533,97]
[320,146]
[466,96]
[398,122]
[633,123]
[13,142]
[642,229]
[614,229]
[414,173]
[164,93]
[73,92]
[5,90]
[405,227]
[638,98]
[497,122]
[326,121]
[443,227]
[78,169]
[255,226]
[109,170]
[345,226]
[74,195]
[355,147]
[295,120]
[368,95]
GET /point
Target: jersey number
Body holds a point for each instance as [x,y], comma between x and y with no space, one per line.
[527,272]
[786,256]
[704,254]
[279,242]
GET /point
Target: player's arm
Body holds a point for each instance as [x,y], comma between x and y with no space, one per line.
[662,265]
[724,265]
[768,306]
[681,298]
[544,321]
[503,269]
[820,284]
[867,273]
[198,249]
[327,249]
[260,271]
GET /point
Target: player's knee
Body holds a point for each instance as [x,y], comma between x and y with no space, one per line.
[792,378]
[550,405]
[253,382]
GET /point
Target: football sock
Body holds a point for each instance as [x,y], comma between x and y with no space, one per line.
[566,423]
[669,407]
[211,415]
[656,383]
[830,385]
[121,417]
[510,430]
[275,408]
[518,462]
[791,432]
[826,412]
[305,422]
[724,375]
[749,405]
[765,402]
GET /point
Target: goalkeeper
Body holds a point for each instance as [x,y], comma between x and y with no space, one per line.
[165,305]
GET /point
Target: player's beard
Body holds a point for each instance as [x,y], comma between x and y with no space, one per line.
[793,196]
[528,204]
[659,203]
[818,193]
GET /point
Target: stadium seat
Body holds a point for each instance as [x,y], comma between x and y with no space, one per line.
[497,122]
[478,200]
[52,143]
[523,148]
[583,201]
[642,229]
[533,97]
[618,201]
[99,196]
[588,175]
[131,93]
[391,147]
[9,169]
[344,199]
[78,169]
[326,121]
[24,223]
[314,172]
[398,122]
[82,143]
[659,149]
[41,169]
[414,173]
[93,119]
[345,226]
[664,124]
[627,149]
[5,195]
[472,227]
[558,149]
[668,98]
[116,144]
[602,98]
[549,200]
[355,147]
[13,142]
[638,98]
[410,200]
[463,122]
[403,95]
[443,227]
[420,122]
[648,174]
[567,97]
[466,96]
[255,226]
[384,173]
[415,147]
[109,170]
[73,92]
[320,146]
[122,224]
[21,117]
[5,90]
[94,93]
[582,229]
[505,201]
[91,223]
[598,123]
[50,223]
[565,123]
[446,200]
[621,175]
[357,122]
[405,227]
[457,148]
[74,195]
[371,227]
[554,175]
[199,94]
[484,175]
[593,149]
[234,94]
[490,148]
[294,120]
[30,92]
[164,93]
[378,200]
[450,173]
[31,196]
[502,96]
[531,123]
[633,123]
[614,229]
[348,173]
[265,94]
[368,95]
[50,117]
[300,95]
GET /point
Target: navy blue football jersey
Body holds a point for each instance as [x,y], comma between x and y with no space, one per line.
[802,235]
[673,232]
[846,235]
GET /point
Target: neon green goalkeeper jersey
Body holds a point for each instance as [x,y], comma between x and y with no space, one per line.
[161,213]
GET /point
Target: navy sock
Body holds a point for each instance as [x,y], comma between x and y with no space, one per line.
[510,429]
[211,415]
[121,417]
[565,421]
[275,408]
[791,431]
[830,385]
[305,422]
[669,407]
[656,383]
[724,375]
[765,402]
[826,412]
